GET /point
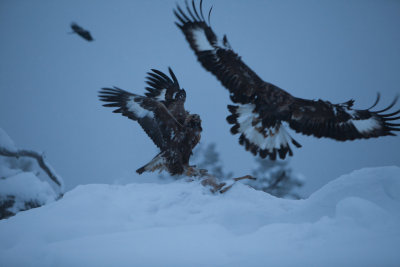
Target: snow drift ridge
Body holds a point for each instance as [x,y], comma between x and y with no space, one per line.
[352,221]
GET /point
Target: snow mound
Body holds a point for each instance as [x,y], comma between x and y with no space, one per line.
[20,185]
[24,188]
[352,221]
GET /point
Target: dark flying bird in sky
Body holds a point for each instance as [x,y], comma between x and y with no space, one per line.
[163,117]
[81,32]
[262,108]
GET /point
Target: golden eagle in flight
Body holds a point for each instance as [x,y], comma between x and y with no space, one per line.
[262,107]
[85,34]
[163,117]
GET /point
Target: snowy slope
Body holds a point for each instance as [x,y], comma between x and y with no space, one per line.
[352,221]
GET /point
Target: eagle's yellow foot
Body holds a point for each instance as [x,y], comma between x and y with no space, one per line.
[191,171]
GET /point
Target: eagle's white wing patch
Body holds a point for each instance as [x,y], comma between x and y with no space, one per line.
[365,126]
[161,96]
[200,39]
[138,110]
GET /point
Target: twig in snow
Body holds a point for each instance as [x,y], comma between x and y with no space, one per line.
[212,181]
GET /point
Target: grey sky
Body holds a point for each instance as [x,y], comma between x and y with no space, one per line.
[333,50]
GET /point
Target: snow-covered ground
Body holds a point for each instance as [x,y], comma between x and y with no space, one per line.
[352,221]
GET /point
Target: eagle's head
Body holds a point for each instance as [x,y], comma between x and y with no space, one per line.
[180,95]
[194,122]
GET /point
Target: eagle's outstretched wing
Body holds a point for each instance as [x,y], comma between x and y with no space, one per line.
[262,133]
[168,92]
[263,107]
[217,56]
[81,32]
[161,86]
[340,121]
[155,119]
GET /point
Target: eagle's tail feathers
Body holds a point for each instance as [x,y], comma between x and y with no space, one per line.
[141,170]
[265,140]
[157,163]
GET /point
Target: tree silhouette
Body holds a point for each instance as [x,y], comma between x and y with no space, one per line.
[276,178]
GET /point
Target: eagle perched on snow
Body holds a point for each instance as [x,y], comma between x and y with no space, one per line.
[163,117]
[262,107]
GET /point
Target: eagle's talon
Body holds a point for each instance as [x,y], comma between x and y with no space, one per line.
[191,171]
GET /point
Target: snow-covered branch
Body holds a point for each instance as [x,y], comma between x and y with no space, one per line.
[40,160]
